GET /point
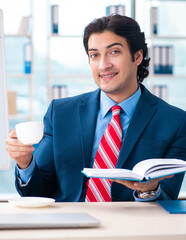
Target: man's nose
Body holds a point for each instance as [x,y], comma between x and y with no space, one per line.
[104,63]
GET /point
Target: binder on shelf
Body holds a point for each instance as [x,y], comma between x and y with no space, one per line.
[170,60]
[54,19]
[160,91]
[118,9]
[156,53]
[163,59]
[24,27]
[154,20]
[27,58]
[121,9]
[12,110]
[110,10]
[59,91]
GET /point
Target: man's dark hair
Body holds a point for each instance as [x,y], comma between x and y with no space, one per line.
[125,27]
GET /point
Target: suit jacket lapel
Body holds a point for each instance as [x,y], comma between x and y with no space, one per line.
[145,110]
[88,110]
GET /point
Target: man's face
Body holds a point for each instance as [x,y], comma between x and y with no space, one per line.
[112,67]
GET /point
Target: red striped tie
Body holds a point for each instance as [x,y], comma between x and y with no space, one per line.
[98,190]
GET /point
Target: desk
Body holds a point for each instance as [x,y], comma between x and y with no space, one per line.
[119,221]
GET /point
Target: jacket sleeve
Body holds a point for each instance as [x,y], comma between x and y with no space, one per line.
[43,180]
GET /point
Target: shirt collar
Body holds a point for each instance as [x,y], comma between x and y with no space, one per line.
[128,106]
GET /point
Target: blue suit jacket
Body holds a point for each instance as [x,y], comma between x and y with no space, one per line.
[157,130]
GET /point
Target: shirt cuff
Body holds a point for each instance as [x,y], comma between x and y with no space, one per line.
[147,199]
[25,174]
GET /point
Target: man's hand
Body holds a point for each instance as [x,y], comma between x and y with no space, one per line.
[142,186]
[21,153]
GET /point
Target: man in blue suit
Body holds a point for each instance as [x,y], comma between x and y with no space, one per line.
[73,127]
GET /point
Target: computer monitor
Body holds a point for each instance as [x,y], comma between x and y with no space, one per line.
[4,125]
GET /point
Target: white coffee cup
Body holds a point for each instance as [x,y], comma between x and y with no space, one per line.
[29,133]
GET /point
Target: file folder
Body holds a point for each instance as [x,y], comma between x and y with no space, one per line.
[28,58]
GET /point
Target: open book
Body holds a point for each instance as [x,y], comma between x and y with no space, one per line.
[142,171]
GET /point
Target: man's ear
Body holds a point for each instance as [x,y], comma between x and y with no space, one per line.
[138,57]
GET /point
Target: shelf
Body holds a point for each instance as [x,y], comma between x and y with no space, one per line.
[168,76]
[19,75]
[166,0]
[18,35]
[24,36]
[168,37]
[68,76]
[64,36]
[20,116]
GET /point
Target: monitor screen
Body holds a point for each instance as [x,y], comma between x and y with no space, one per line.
[4,126]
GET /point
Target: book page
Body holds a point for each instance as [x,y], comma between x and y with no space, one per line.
[123,174]
[148,167]
[165,172]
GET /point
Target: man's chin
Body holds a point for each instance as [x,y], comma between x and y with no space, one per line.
[109,92]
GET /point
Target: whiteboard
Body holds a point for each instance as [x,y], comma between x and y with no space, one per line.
[4,126]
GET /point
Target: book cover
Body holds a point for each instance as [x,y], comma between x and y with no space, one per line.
[173,206]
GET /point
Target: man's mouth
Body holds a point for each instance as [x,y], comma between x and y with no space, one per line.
[108,75]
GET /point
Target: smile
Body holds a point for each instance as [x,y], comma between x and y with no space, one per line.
[108,76]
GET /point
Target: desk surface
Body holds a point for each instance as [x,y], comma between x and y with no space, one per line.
[119,220]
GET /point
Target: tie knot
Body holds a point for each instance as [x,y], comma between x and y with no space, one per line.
[115,110]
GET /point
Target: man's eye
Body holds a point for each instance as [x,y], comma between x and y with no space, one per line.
[115,51]
[93,55]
